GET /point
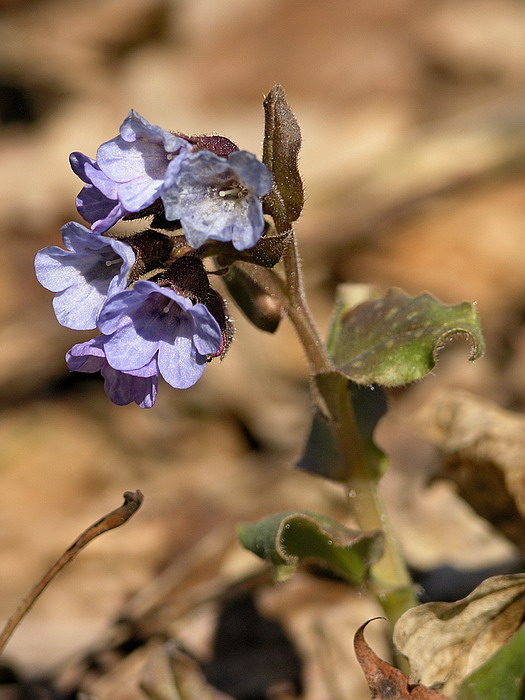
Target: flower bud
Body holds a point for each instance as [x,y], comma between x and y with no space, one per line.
[251,288]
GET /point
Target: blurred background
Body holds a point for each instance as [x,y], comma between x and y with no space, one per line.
[413,122]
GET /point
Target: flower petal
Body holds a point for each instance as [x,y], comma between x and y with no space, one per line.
[207,335]
[126,350]
[179,363]
[87,357]
[77,307]
[122,161]
[123,388]
[98,210]
[135,128]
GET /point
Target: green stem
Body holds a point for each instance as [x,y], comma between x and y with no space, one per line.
[390,580]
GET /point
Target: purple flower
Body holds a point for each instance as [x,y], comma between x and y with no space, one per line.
[150,322]
[218,198]
[90,270]
[128,172]
[122,388]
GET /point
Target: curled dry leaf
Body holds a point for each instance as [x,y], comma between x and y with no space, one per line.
[484,449]
[386,682]
[445,642]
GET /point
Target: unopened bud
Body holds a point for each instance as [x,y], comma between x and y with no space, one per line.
[151,249]
[252,294]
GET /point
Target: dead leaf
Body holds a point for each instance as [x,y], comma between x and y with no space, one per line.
[171,674]
[484,448]
[445,642]
[386,682]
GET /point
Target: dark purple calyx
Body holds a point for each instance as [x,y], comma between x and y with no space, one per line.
[219,145]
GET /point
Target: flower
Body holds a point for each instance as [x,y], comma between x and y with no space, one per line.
[139,386]
[150,321]
[218,198]
[92,269]
[128,173]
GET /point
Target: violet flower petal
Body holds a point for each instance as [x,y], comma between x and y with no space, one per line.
[180,363]
[121,387]
[92,269]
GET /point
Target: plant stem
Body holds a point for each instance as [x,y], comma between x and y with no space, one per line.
[299,312]
[390,580]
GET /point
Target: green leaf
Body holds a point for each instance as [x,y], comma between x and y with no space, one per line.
[321,455]
[289,539]
[282,141]
[395,340]
[502,677]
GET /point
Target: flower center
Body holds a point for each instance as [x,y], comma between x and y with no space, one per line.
[116,261]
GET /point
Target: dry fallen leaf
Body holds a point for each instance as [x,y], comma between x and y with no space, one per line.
[484,448]
[445,642]
[171,674]
[386,682]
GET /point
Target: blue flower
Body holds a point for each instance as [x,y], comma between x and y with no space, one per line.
[128,173]
[92,269]
[218,198]
[139,386]
[150,321]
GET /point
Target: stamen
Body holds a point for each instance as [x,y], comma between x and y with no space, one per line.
[168,306]
[113,262]
[234,191]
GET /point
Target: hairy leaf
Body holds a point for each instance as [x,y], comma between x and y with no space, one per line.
[287,540]
[394,340]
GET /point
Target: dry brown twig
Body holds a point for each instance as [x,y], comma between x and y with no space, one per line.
[116,518]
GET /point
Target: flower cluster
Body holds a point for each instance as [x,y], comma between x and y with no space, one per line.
[148,293]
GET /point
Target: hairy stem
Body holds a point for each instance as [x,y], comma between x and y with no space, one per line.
[390,580]
[300,315]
